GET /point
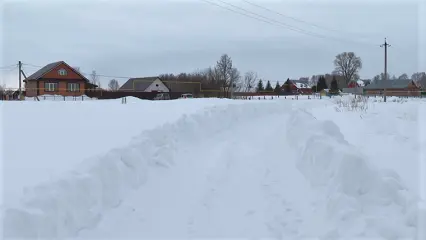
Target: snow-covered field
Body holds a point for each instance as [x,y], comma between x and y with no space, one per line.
[210,168]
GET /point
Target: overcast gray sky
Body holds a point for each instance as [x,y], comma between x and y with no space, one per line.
[147,38]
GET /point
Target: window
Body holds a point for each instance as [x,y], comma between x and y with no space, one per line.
[50,87]
[62,72]
[73,87]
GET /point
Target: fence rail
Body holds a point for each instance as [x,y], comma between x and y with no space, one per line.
[13,94]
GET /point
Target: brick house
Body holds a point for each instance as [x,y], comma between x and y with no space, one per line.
[57,78]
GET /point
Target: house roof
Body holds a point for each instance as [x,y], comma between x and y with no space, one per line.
[49,67]
[360,83]
[297,83]
[389,84]
[138,84]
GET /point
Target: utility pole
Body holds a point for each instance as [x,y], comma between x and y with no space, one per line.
[385,45]
[232,88]
[20,79]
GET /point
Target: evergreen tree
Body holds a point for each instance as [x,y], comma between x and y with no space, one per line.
[322,84]
[334,87]
[259,87]
[277,88]
[268,87]
[287,86]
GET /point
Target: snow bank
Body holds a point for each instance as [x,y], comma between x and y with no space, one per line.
[359,200]
[90,127]
[63,207]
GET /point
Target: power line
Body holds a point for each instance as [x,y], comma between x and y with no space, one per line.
[296,19]
[275,22]
[290,17]
[262,18]
[31,65]
[247,15]
[8,67]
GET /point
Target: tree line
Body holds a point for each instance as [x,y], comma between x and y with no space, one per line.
[224,77]
[219,77]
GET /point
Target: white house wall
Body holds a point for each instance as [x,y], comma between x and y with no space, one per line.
[153,87]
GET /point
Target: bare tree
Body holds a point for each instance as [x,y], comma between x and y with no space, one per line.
[381,77]
[113,85]
[416,77]
[94,78]
[403,77]
[314,80]
[422,81]
[250,79]
[213,75]
[376,79]
[347,64]
[227,73]
[236,82]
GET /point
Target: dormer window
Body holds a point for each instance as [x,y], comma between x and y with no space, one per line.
[62,72]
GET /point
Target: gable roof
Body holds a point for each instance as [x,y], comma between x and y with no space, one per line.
[49,67]
[360,83]
[389,84]
[296,83]
[138,84]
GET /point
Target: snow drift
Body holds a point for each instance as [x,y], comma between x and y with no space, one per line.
[359,200]
[355,198]
[63,207]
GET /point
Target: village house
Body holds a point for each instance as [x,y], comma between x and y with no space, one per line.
[355,87]
[292,86]
[57,78]
[144,84]
[358,83]
[156,84]
[393,88]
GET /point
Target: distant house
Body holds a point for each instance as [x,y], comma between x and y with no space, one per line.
[145,84]
[304,81]
[291,86]
[393,88]
[358,83]
[355,84]
[57,78]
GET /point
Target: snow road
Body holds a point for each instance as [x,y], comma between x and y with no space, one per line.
[250,170]
[228,186]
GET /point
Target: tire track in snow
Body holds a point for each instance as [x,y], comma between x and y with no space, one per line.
[215,191]
[249,189]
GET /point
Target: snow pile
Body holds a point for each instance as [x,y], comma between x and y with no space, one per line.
[358,199]
[63,207]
